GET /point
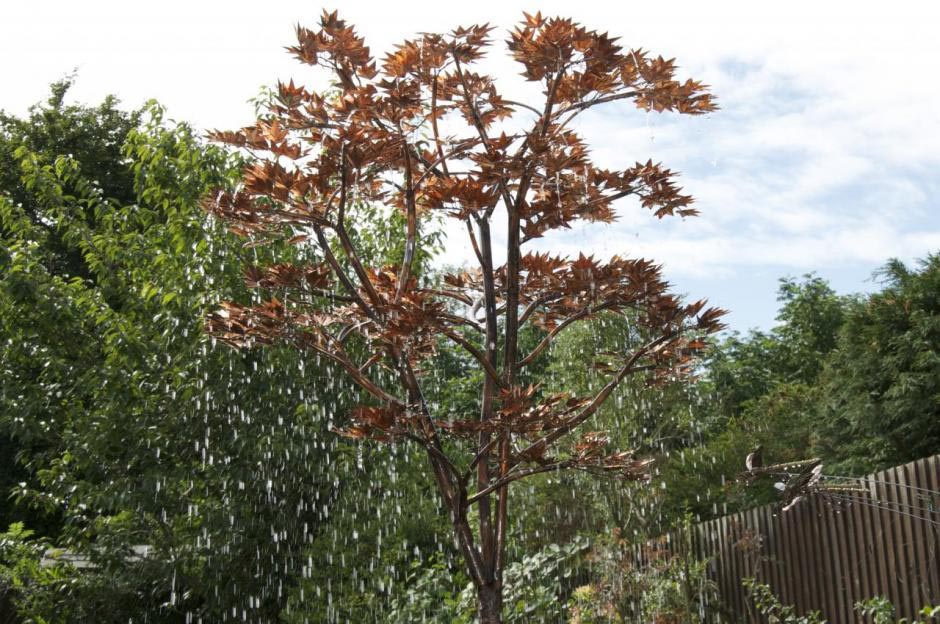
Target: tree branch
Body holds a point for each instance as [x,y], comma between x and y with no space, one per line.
[477,355]
[538,447]
[533,305]
[412,223]
[345,241]
[520,474]
[357,376]
[599,100]
[341,274]
[442,159]
[547,340]
[488,533]
[481,130]
[450,294]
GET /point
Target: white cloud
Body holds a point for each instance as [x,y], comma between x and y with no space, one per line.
[824,153]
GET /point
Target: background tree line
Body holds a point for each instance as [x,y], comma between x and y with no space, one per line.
[122,425]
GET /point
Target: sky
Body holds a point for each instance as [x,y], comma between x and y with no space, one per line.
[824,156]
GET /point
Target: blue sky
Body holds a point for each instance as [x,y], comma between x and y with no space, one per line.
[824,157]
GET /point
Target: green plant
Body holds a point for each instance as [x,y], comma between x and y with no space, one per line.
[584,607]
[879,608]
[431,595]
[770,606]
[670,587]
[535,589]
[32,591]
[882,611]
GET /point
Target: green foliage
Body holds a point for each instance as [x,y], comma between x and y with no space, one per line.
[536,589]
[881,386]
[757,389]
[585,608]
[130,426]
[431,595]
[768,605]
[848,379]
[536,586]
[655,421]
[40,586]
[669,588]
[92,138]
[879,609]
[810,318]
[30,591]
[133,428]
[882,611]
[380,529]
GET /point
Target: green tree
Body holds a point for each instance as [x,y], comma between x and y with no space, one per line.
[130,426]
[881,388]
[93,137]
[761,388]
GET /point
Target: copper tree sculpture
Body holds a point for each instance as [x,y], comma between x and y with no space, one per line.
[423,133]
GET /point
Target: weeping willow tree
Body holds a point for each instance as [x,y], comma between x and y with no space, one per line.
[423,133]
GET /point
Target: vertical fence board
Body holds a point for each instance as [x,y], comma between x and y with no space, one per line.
[931,483]
[837,525]
[814,572]
[862,538]
[881,540]
[858,540]
[772,550]
[827,559]
[916,478]
[896,551]
[916,571]
[783,557]
[902,523]
[799,520]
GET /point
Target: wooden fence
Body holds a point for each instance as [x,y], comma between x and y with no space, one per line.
[829,552]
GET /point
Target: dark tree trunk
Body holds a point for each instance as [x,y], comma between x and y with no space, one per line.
[491,603]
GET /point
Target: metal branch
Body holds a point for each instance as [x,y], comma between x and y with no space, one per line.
[483,452]
[451,294]
[523,105]
[473,242]
[376,357]
[434,130]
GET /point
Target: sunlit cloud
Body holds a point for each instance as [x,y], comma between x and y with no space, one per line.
[824,156]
